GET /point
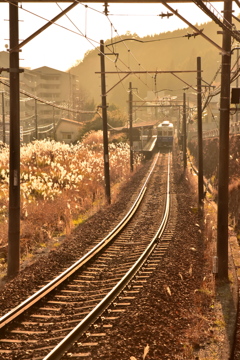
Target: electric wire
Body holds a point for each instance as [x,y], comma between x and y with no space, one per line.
[43,18]
[46,131]
[217,17]
[143,41]
[51,103]
[80,33]
[90,40]
[234,75]
[153,40]
[128,49]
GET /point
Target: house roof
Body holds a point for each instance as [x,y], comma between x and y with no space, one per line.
[69,121]
[139,124]
[43,68]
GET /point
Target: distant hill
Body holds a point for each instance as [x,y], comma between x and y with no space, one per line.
[174,52]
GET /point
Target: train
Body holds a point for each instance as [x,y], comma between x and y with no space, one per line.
[165,134]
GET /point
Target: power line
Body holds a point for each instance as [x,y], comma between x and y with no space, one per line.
[54,23]
[210,10]
[43,18]
[80,32]
[128,49]
[153,40]
[49,102]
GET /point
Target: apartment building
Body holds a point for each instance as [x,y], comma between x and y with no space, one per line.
[57,87]
[37,88]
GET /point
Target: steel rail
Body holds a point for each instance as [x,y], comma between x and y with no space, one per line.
[26,304]
[74,335]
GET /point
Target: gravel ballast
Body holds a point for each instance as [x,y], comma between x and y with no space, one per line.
[175,315]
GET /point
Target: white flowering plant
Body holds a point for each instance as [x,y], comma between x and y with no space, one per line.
[60,184]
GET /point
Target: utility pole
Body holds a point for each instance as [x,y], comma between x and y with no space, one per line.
[184,133]
[54,125]
[130,125]
[155,83]
[237,83]
[3,119]
[36,120]
[200,145]
[14,156]
[105,132]
[222,217]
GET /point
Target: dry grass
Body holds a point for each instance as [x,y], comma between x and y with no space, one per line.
[61,185]
[204,296]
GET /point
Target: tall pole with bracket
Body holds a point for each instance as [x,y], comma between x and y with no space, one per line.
[3,119]
[130,125]
[105,132]
[222,217]
[36,120]
[184,133]
[199,123]
[14,144]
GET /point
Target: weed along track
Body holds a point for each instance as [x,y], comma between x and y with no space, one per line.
[70,315]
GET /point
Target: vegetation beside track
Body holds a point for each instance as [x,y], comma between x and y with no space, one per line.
[61,186]
[210,171]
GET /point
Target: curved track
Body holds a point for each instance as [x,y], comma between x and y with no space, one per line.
[66,307]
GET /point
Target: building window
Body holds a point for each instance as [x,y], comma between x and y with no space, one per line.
[66,136]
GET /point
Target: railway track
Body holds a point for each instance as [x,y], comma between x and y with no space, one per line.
[99,286]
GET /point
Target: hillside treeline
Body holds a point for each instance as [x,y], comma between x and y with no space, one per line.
[174,51]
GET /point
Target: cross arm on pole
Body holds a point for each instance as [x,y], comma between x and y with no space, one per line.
[223,51]
[44,27]
[117,83]
[183,81]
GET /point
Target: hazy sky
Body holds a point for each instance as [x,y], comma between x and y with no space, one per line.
[60,48]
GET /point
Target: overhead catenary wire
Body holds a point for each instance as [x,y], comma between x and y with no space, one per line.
[80,33]
[45,19]
[142,41]
[128,49]
[234,75]
[44,101]
[194,34]
[211,11]
[51,103]
[153,40]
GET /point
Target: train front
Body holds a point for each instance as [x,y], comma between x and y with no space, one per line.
[165,135]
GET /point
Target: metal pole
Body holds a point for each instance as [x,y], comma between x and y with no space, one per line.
[222,218]
[184,130]
[105,132]
[54,125]
[36,120]
[3,119]
[14,157]
[200,142]
[155,83]
[130,126]
[178,122]
[237,83]
[49,23]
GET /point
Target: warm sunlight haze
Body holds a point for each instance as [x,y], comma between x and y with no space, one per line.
[84,26]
